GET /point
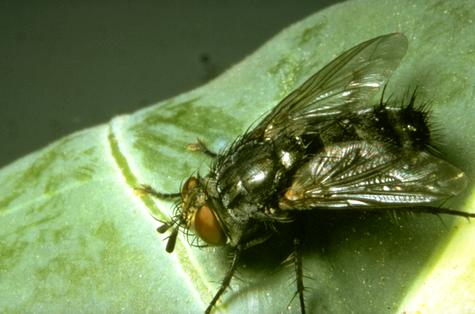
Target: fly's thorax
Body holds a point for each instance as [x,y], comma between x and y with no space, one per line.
[198,213]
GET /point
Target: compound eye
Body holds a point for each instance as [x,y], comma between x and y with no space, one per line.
[207,227]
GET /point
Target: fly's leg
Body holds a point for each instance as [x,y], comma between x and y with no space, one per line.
[147,189]
[201,147]
[297,257]
[440,210]
[144,189]
[227,279]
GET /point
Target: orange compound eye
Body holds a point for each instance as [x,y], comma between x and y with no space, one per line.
[207,227]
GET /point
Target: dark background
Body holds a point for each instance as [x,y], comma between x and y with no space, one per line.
[67,65]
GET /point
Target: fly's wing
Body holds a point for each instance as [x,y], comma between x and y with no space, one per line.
[347,83]
[371,176]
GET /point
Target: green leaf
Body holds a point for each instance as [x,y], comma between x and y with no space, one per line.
[75,236]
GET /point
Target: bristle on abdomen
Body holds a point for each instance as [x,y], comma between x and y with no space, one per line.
[405,125]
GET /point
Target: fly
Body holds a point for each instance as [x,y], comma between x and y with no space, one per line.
[324,147]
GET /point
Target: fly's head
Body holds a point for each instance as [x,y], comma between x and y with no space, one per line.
[194,213]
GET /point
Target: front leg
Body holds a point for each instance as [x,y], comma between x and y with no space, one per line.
[226,280]
[201,147]
[297,257]
[145,189]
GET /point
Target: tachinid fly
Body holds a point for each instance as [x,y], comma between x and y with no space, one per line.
[324,147]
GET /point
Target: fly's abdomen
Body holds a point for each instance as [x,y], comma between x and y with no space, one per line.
[402,126]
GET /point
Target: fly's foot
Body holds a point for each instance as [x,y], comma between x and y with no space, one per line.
[201,147]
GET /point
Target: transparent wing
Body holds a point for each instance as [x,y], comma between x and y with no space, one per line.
[371,176]
[347,83]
